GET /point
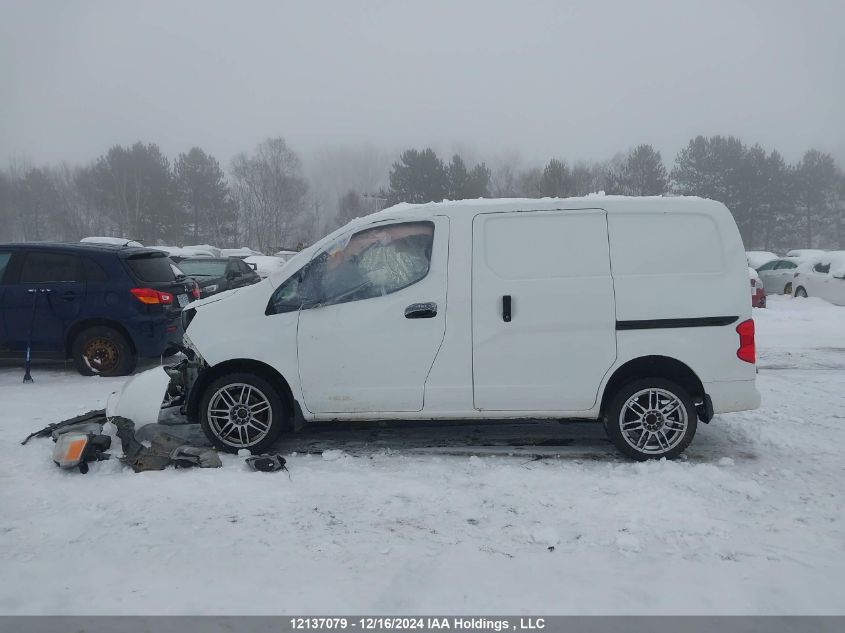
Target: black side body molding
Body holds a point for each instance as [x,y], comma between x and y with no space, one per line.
[651,324]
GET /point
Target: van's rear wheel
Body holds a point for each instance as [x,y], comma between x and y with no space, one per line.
[242,410]
[651,418]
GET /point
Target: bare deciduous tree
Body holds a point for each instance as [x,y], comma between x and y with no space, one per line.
[270,193]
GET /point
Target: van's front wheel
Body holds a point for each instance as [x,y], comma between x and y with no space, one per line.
[651,418]
[242,410]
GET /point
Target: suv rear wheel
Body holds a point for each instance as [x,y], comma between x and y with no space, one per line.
[102,351]
[242,410]
[651,418]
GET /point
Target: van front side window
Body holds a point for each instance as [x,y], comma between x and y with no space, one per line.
[371,263]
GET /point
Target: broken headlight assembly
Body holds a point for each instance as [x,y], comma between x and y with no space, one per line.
[75,450]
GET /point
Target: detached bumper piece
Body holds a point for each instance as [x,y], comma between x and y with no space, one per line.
[80,440]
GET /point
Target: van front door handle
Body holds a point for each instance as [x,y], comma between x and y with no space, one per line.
[506,308]
[421,310]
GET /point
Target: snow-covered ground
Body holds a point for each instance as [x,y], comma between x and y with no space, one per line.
[750,522]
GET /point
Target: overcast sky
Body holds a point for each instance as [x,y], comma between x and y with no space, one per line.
[547,78]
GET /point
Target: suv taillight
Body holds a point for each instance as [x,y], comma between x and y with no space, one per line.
[152,297]
[195,289]
[747,350]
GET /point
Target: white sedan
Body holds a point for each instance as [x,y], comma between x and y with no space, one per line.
[822,277]
[777,275]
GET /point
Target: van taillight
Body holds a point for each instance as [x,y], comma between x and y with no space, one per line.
[747,350]
[152,297]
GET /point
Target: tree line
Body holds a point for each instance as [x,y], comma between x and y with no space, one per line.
[266,201]
[135,192]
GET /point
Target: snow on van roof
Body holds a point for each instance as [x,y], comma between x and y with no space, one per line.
[591,200]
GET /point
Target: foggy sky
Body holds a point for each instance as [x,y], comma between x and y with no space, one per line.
[576,80]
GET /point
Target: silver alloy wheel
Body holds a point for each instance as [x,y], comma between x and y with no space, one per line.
[653,421]
[240,415]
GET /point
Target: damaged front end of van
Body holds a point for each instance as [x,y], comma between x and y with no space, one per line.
[143,396]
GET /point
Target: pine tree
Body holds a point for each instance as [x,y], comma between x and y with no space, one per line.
[556,180]
[418,176]
[458,178]
[643,173]
[206,204]
[349,207]
[817,180]
[135,187]
[478,182]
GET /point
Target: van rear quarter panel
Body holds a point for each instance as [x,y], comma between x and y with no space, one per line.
[681,263]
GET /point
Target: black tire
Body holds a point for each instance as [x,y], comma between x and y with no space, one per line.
[676,438]
[102,351]
[800,292]
[217,429]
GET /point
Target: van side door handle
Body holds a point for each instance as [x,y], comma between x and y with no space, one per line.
[506,308]
[421,310]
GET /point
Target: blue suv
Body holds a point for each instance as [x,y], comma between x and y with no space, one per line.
[101,305]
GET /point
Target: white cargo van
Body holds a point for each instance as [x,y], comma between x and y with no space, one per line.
[632,311]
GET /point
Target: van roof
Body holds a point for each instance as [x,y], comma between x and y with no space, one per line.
[611,204]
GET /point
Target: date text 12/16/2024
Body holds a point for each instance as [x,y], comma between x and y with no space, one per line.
[454,623]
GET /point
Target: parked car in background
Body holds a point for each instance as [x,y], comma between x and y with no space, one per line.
[285,255]
[205,249]
[358,326]
[758,291]
[265,265]
[216,274]
[758,258]
[178,253]
[777,275]
[804,253]
[823,277]
[240,253]
[101,305]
